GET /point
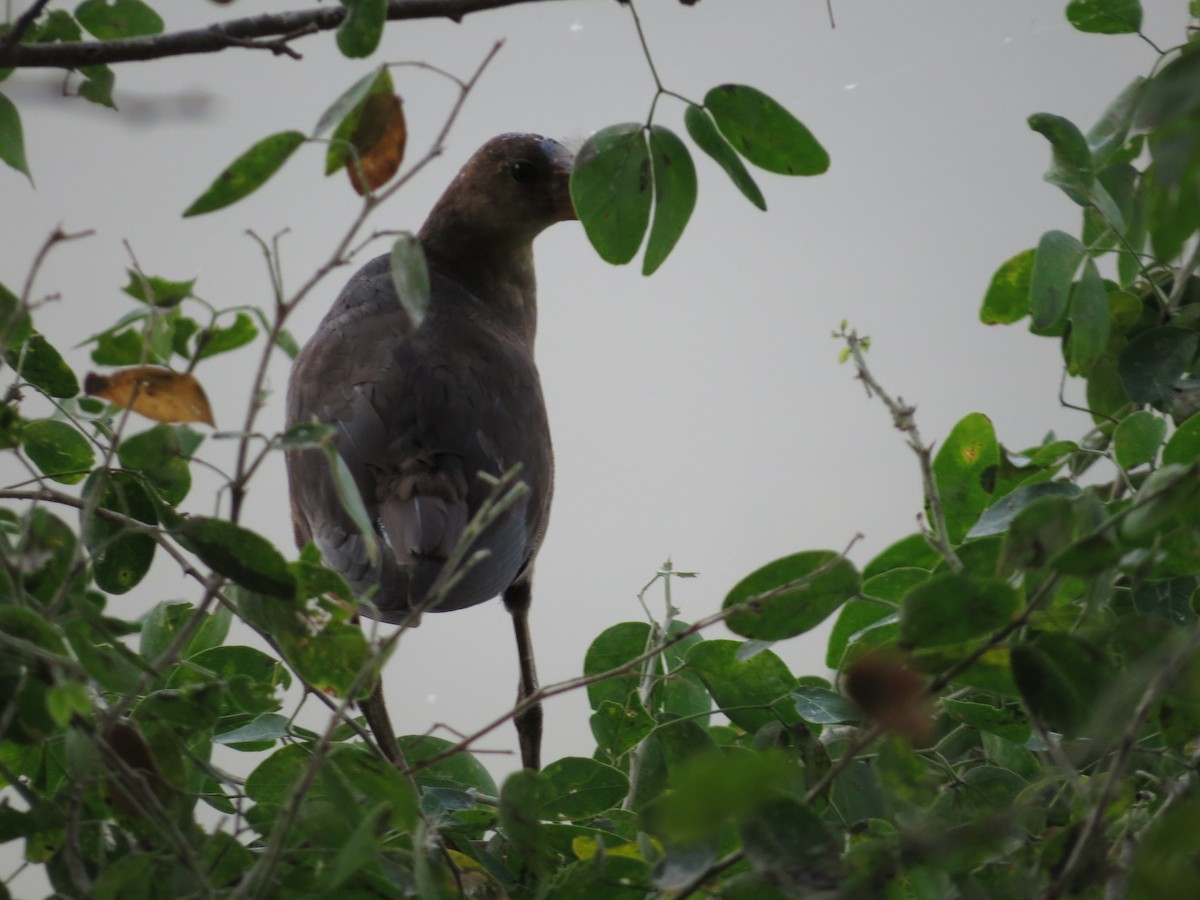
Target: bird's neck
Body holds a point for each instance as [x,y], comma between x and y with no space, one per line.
[499,278]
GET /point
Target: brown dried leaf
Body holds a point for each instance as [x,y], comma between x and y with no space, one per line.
[379,138]
[890,693]
[154,392]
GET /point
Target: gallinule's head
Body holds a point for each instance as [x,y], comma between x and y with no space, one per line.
[512,189]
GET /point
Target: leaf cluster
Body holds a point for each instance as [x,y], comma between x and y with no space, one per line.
[1016,694]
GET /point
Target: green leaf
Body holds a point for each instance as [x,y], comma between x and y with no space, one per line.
[410,277]
[704,132]
[912,551]
[613,647]
[1105,16]
[15,325]
[97,86]
[856,616]
[825,583]
[59,25]
[997,517]
[1057,258]
[251,679]
[582,788]
[1184,446]
[1169,498]
[1169,599]
[43,366]
[611,189]
[1007,722]
[1153,361]
[166,620]
[1007,298]
[1089,316]
[964,470]
[1072,166]
[674,195]
[1164,862]
[261,733]
[618,728]
[1172,94]
[351,98]
[361,30]
[1110,133]
[714,790]
[1171,216]
[58,450]
[751,692]
[274,779]
[121,555]
[126,877]
[346,111]
[48,554]
[159,292]
[1039,532]
[892,586]
[1061,679]
[160,454]
[210,342]
[119,19]
[786,843]
[286,342]
[12,140]
[764,132]
[522,798]
[952,608]
[119,348]
[248,172]
[461,771]
[352,502]
[239,554]
[377,779]
[822,706]
[1137,438]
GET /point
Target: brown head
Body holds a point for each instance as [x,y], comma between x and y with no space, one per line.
[512,189]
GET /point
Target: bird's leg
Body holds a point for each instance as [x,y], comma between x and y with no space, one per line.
[374,710]
[529,722]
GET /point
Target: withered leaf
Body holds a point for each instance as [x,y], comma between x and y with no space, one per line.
[154,392]
[891,694]
[379,140]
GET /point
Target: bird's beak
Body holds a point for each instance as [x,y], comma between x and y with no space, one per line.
[566,209]
[564,162]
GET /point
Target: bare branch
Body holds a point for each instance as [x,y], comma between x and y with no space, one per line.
[903,417]
[271,32]
[22,24]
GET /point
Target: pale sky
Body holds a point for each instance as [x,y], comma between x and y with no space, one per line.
[699,414]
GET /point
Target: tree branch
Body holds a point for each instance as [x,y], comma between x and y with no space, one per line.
[260,32]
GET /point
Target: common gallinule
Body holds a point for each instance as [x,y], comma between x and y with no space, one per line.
[420,412]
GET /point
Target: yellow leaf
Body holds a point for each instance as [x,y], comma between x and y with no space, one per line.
[379,138]
[154,392]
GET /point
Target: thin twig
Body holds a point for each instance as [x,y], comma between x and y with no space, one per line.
[1091,827]
[903,417]
[632,665]
[23,22]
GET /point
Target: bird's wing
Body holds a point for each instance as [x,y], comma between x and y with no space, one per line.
[417,418]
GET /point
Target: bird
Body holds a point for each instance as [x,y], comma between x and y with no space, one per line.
[426,414]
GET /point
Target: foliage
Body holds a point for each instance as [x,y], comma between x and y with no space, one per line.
[1017,699]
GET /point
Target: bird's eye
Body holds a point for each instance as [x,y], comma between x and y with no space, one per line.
[523,172]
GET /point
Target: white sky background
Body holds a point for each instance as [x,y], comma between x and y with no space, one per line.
[698,414]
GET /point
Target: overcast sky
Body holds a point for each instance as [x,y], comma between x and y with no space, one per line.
[699,414]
